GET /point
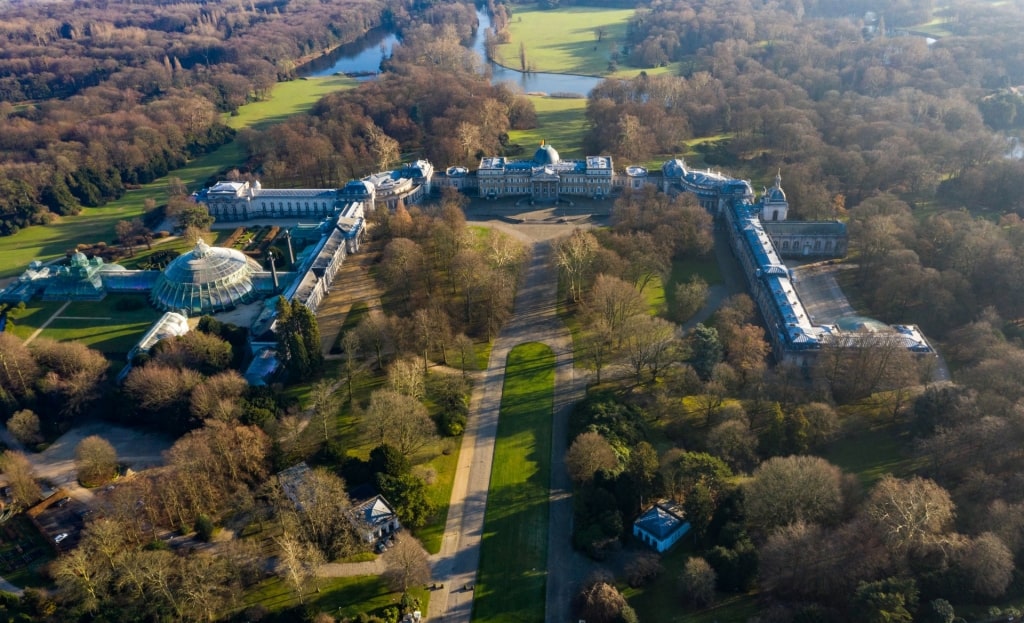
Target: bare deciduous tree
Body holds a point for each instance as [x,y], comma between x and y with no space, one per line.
[316,510]
[407,564]
[399,420]
[18,470]
[788,489]
[18,368]
[325,406]
[909,513]
[96,460]
[574,256]
[375,334]
[697,582]
[589,453]
[297,564]
[219,397]
[407,377]
[648,343]
[24,426]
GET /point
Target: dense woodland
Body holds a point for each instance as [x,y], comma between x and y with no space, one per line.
[97,96]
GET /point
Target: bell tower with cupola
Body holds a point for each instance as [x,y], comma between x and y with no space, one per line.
[774,206]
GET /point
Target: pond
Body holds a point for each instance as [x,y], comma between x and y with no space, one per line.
[362,58]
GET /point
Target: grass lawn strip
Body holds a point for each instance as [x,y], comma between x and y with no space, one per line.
[94,224]
[343,598]
[513,553]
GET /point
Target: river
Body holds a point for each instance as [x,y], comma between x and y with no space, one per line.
[363,58]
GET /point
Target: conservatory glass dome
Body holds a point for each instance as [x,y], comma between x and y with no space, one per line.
[205,280]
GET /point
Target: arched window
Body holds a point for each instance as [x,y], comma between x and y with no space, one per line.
[817,245]
[785,245]
[775,215]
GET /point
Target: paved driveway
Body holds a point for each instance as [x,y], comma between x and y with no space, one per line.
[534,320]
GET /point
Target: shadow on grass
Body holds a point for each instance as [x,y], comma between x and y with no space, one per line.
[513,555]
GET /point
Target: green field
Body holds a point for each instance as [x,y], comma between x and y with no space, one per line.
[565,41]
[872,454]
[289,98]
[560,122]
[513,553]
[95,224]
[97,324]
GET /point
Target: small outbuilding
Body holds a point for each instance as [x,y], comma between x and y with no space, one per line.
[375,518]
[661,526]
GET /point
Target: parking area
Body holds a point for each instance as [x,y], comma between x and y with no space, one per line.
[62,521]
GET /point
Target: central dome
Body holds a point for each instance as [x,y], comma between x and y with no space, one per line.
[205,280]
[545,154]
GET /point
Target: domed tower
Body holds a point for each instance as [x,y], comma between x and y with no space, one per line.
[545,155]
[774,206]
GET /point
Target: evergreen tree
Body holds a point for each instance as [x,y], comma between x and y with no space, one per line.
[707,350]
[298,340]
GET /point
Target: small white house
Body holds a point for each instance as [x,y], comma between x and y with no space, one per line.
[661,526]
[375,518]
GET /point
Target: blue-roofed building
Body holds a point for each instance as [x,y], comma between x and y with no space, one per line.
[757,228]
[661,526]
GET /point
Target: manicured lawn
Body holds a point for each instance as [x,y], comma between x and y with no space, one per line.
[95,224]
[654,293]
[660,601]
[560,122]
[872,454]
[340,597]
[565,41]
[440,494]
[23,322]
[706,266]
[97,324]
[514,550]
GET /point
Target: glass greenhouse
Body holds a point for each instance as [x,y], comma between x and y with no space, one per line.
[206,280]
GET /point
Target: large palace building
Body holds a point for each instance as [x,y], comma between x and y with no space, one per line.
[761,234]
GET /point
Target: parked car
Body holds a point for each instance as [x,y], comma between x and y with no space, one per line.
[61,503]
[60,537]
